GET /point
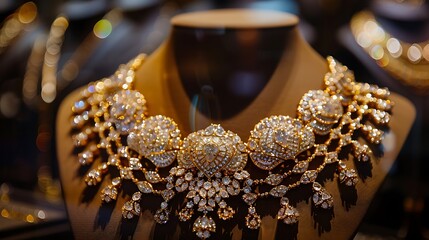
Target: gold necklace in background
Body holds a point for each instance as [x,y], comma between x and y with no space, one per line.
[16,23]
[115,134]
[43,64]
[53,79]
[407,62]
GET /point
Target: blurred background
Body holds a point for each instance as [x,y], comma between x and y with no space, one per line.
[50,48]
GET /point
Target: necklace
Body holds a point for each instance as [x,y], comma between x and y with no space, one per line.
[209,166]
[408,62]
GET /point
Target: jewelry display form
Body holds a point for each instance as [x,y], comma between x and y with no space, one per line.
[232,67]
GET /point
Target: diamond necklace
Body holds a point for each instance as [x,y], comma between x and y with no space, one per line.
[209,166]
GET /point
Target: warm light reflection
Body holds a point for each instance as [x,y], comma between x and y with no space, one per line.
[370,27]
[49,92]
[27,12]
[16,23]
[9,104]
[377,52]
[32,72]
[12,29]
[379,35]
[364,40]
[394,47]
[103,28]
[414,53]
[426,52]
[52,56]
[41,214]
[60,22]
[29,218]
[5,213]
[384,61]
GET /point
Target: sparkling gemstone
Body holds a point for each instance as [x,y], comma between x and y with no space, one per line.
[223,193]
[235,184]
[161,216]
[203,225]
[317,186]
[253,221]
[211,202]
[167,194]
[190,204]
[136,196]
[185,214]
[300,167]
[250,198]
[211,150]
[238,176]
[202,192]
[278,191]
[180,181]
[191,194]
[321,149]
[226,180]
[197,199]
[331,157]
[113,160]
[188,176]
[284,201]
[144,187]
[135,164]
[308,176]
[211,192]
[225,213]
[126,173]
[207,185]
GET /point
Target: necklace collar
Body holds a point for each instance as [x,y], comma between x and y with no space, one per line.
[210,166]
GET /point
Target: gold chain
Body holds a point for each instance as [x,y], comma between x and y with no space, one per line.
[407,62]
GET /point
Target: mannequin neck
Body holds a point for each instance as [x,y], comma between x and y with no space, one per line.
[224,67]
[218,67]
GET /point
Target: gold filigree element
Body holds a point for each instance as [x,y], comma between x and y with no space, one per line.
[321,110]
[127,110]
[287,213]
[203,226]
[157,138]
[278,138]
[111,119]
[212,150]
[321,197]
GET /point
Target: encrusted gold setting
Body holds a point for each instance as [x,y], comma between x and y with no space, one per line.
[209,166]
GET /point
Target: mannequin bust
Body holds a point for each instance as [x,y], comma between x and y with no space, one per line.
[234,68]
